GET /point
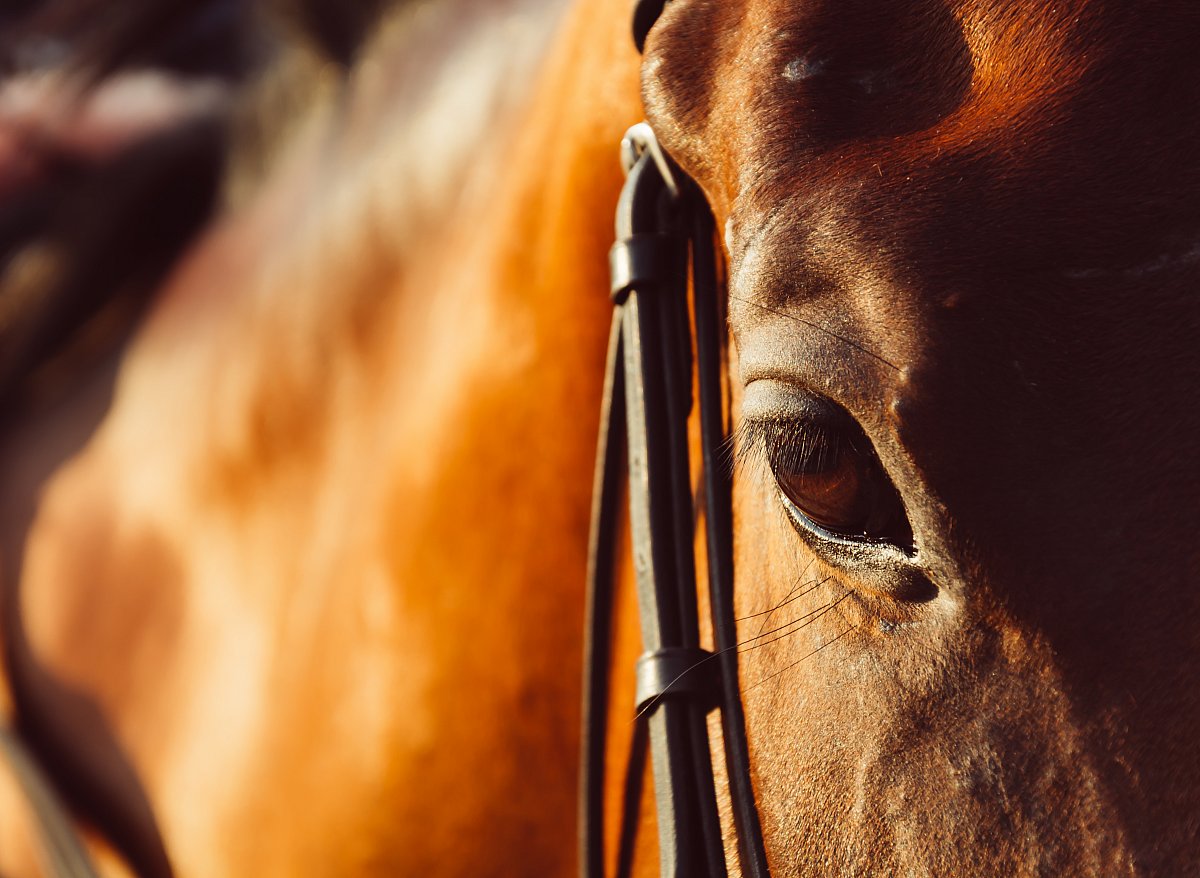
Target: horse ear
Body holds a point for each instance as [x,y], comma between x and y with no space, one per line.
[645,13]
[337,28]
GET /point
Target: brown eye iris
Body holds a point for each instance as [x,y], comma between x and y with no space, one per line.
[831,478]
[834,497]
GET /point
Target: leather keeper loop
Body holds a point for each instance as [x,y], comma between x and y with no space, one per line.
[676,673]
[643,260]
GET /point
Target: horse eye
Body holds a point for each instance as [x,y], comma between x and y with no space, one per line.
[831,478]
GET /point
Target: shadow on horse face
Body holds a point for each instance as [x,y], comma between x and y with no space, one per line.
[973,228]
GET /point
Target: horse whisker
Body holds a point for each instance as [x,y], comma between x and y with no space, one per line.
[779,628]
[802,658]
[791,596]
[819,612]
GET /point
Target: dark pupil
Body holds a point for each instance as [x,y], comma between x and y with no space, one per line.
[833,489]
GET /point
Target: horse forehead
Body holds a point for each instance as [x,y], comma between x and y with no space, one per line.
[761,94]
[754,72]
[946,149]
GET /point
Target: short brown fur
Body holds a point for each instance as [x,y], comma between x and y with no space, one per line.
[293,579]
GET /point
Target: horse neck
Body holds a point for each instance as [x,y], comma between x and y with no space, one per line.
[349,452]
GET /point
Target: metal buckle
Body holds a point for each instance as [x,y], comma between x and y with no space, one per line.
[640,139]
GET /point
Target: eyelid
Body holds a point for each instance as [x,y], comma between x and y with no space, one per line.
[769,399]
[778,417]
[796,445]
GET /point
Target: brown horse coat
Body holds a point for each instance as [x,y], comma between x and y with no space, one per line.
[293,579]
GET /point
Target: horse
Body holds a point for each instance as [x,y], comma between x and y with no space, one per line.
[294,555]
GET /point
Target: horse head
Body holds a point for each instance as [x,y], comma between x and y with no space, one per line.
[962,243]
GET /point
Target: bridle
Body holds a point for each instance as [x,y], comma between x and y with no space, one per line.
[662,218]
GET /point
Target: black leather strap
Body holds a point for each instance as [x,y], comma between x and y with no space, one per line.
[650,356]
[718,492]
[647,403]
[597,659]
[657,399]
[659,215]
[64,855]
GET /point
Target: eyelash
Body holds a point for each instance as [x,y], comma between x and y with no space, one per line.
[793,445]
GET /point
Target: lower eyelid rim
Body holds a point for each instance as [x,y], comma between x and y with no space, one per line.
[795,512]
